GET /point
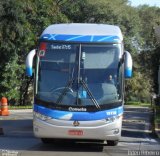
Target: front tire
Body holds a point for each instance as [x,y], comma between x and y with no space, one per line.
[112,142]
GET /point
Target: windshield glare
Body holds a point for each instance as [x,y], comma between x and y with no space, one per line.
[79,74]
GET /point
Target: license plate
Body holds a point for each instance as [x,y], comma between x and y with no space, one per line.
[75,132]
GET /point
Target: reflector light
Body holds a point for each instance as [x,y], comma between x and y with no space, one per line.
[42,46]
[42,49]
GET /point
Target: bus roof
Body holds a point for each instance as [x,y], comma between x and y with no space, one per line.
[82,32]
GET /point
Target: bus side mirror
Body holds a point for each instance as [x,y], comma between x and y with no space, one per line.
[29,63]
[127,65]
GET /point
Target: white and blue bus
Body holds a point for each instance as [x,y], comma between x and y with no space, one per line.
[79,82]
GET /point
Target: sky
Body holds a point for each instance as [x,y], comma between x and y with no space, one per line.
[149,2]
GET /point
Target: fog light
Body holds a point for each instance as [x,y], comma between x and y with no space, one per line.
[115,131]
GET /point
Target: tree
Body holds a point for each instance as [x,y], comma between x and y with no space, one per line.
[149,57]
[21,24]
[11,38]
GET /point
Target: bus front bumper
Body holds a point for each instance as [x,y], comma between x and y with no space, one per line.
[63,129]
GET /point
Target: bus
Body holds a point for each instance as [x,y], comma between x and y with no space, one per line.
[79,73]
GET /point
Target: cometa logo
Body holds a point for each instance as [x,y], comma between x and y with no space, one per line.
[77,109]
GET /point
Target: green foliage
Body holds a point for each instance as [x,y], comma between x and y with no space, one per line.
[150,18]
[22,22]
[134,103]
[149,58]
[138,88]
[12,74]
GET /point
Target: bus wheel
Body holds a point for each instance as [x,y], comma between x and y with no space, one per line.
[112,142]
[47,140]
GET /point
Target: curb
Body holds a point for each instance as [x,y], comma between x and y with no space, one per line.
[17,115]
[20,110]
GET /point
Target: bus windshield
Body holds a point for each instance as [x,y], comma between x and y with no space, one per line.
[79,74]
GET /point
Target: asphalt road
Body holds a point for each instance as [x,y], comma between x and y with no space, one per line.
[137,136]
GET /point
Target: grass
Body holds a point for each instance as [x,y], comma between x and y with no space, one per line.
[132,103]
[20,107]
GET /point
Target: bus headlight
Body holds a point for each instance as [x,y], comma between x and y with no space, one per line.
[112,119]
[41,116]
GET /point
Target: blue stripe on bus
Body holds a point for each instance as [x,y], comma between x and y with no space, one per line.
[80,116]
[128,73]
[80,38]
[28,71]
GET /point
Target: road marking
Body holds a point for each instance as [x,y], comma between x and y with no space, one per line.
[133,121]
[136,130]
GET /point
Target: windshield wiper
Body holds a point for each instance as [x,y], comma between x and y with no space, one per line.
[64,91]
[90,94]
[79,82]
[69,85]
